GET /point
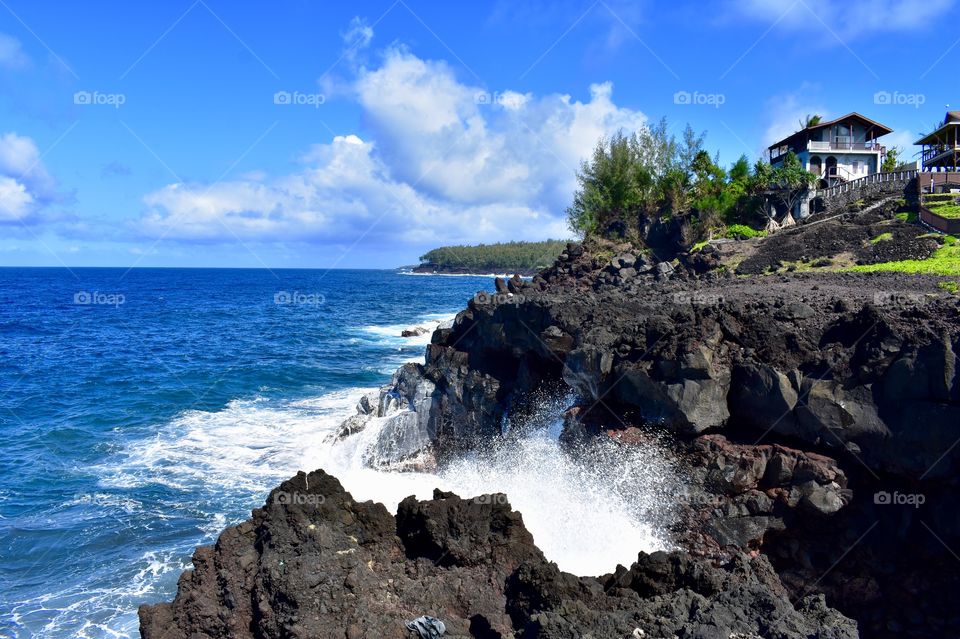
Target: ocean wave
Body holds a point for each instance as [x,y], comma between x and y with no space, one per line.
[588,511]
[393,333]
[243,447]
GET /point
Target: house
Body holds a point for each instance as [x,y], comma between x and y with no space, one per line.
[941,149]
[837,150]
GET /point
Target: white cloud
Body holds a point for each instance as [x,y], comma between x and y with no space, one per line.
[25,185]
[784,113]
[11,53]
[15,202]
[358,35]
[848,19]
[442,166]
[466,144]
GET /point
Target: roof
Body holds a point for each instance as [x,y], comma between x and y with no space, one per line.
[951,120]
[882,128]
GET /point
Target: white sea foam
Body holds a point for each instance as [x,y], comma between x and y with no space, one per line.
[241,448]
[392,333]
[588,510]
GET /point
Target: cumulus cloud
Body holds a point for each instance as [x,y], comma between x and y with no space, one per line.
[446,162]
[11,53]
[25,184]
[847,19]
[15,202]
[468,144]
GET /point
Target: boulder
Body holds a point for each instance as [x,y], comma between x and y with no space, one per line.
[313,560]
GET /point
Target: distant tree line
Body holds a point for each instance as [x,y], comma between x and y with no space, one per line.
[502,257]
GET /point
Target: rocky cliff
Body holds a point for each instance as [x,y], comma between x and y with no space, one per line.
[817,417]
[810,409]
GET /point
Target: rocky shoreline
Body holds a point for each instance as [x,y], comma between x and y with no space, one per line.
[434,269]
[817,417]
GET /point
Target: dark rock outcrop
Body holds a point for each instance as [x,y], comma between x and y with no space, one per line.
[315,563]
[817,417]
[851,377]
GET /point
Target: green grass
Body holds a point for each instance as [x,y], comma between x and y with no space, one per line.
[742,231]
[883,237]
[949,211]
[907,216]
[943,204]
[945,261]
[950,286]
[699,246]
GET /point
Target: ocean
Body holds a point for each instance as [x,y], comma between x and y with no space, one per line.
[144,410]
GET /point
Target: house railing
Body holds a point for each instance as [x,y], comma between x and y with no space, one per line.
[931,152]
[845,145]
[839,144]
[876,178]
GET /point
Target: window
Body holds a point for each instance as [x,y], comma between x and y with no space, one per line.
[856,166]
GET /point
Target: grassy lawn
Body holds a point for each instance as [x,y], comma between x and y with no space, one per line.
[945,261]
[883,237]
[943,204]
[949,211]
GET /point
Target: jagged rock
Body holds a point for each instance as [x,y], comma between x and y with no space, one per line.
[313,562]
[829,394]
[624,260]
[368,404]
[663,269]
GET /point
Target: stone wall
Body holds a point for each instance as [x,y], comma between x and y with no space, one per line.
[836,200]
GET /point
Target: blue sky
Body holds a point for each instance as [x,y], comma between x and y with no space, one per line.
[361,134]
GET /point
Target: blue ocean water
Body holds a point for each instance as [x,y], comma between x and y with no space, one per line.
[143,411]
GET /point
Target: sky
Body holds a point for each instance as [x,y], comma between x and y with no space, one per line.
[296,133]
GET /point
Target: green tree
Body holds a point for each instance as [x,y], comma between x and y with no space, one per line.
[892,159]
[650,174]
[790,180]
[503,257]
[612,186]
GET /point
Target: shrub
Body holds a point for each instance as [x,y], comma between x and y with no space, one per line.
[742,231]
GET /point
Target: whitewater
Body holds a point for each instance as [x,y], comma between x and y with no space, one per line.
[124,481]
[589,508]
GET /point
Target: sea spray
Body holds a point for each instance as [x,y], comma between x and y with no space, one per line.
[590,505]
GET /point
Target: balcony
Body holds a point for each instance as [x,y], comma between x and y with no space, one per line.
[940,155]
[845,144]
[839,145]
